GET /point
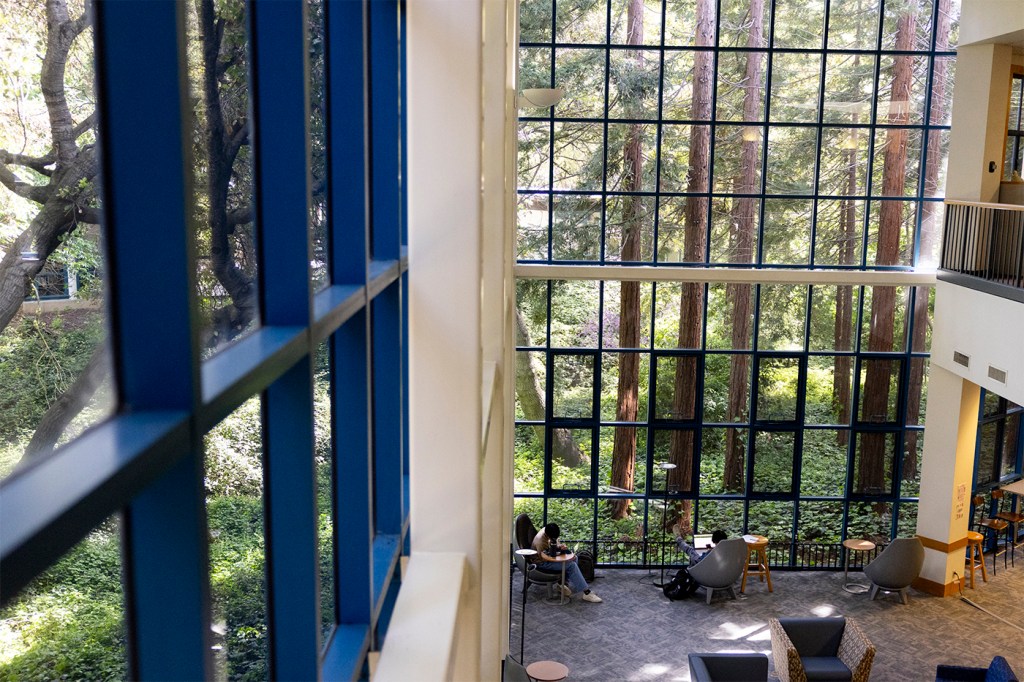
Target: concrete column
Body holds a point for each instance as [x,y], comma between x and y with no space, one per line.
[980,106]
[951,427]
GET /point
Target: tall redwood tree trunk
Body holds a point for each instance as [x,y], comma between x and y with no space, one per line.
[744,224]
[691,305]
[871,469]
[624,447]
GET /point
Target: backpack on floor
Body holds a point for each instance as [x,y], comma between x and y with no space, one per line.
[681,586]
[586,561]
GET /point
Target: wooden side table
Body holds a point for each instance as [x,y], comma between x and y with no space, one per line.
[547,671]
[854,545]
[757,559]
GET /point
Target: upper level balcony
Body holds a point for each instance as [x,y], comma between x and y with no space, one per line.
[983,248]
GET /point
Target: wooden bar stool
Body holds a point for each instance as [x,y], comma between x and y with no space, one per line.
[995,525]
[757,561]
[975,558]
[1011,517]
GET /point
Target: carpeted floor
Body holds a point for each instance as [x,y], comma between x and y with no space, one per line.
[637,634]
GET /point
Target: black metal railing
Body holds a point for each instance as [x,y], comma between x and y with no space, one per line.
[615,553]
[985,242]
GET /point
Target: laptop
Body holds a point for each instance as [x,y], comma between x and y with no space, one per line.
[702,541]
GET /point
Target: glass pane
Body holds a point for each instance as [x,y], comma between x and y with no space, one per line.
[529,456]
[870,521]
[799,23]
[738,159]
[1011,434]
[631,443]
[580,72]
[849,86]
[740,27]
[897,162]
[678,316]
[723,461]
[782,317]
[821,523]
[617,332]
[883,326]
[646,31]
[532,227]
[777,382]
[573,386]
[624,400]
[576,519]
[721,405]
[907,26]
[570,459]
[906,524]
[619,541]
[795,81]
[68,623]
[318,146]
[673,447]
[535,21]
[689,22]
[534,154]
[576,227]
[873,462]
[633,78]
[840,234]
[574,314]
[917,393]
[585,22]
[844,163]
[685,168]
[833,316]
[629,229]
[741,86]
[730,316]
[879,389]
[535,71]
[910,481]
[631,157]
[324,458]
[226,256]
[773,461]
[823,463]
[786,236]
[55,365]
[673,372]
[234,508]
[734,223]
[829,390]
[678,94]
[577,156]
[908,74]
[791,152]
[531,313]
[724,515]
[531,371]
[852,24]
[774,520]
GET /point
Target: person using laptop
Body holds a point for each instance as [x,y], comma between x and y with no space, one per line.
[702,545]
[547,546]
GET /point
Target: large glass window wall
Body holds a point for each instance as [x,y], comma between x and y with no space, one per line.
[730,135]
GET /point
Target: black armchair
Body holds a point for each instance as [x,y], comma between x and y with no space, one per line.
[728,667]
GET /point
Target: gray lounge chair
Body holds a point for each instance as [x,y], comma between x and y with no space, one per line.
[721,568]
[896,567]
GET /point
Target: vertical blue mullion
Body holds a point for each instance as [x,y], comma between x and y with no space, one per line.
[821,131]
[346,139]
[657,141]
[873,126]
[713,133]
[602,253]
[385,130]
[154,324]
[352,492]
[769,61]
[280,106]
[386,334]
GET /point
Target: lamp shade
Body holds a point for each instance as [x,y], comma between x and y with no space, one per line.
[541,98]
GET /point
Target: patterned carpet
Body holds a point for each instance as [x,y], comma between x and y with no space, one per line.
[638,635]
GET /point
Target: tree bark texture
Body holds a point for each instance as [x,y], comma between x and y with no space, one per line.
[624,445]
[742,236]
[930,231]
[531,398]
[691,305]
[871,473]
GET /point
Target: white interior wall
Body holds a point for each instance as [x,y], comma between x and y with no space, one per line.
[1000,21]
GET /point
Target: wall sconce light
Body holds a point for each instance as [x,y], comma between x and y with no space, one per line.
[540,98]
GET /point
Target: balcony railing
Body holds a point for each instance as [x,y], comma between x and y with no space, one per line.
[983,247]
[613,553]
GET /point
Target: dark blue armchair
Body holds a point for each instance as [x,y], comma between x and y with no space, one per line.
[997,671]
[728,667]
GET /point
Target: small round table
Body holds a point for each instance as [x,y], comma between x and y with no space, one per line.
[854,545]
[563,559]
[547,671]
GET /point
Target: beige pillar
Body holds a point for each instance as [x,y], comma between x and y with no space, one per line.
[951,427]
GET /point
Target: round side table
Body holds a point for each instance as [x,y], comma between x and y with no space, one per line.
[547,671]
[854,545]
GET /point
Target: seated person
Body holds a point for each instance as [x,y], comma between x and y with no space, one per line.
[546,544]
[696,555]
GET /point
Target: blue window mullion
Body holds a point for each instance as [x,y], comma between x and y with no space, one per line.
[386,323]
[385,129]
[280,106]
[153,323]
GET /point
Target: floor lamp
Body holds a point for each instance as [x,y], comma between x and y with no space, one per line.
[526,554]
[666,467]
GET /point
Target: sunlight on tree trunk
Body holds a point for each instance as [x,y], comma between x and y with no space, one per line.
[624,447]
[871,472]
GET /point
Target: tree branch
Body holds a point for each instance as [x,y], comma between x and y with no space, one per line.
[86,123]
[26,190]
[37,163]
